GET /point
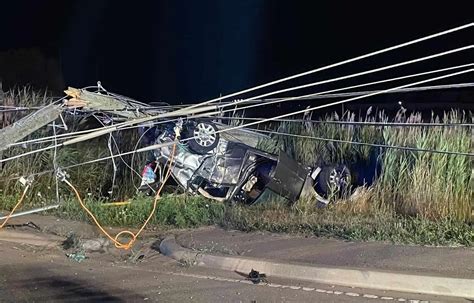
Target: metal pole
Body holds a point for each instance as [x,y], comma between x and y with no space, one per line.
[31,211]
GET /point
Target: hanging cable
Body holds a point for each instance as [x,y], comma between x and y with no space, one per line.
[200,107]
[281,100]
[83,139]
[358,123]
[358,58]
[160,145]
[72,135]
[355,75]
[415,149]
[360,93]
[123,160]
[343,101]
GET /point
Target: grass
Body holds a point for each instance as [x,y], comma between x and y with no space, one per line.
[342,221]
[378,226]
[431,185]
[419,198]
[178,211]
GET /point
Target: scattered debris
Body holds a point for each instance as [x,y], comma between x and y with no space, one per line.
[95,245]
[92,245]
[72,241]
[27,224]
[137,257]
[254,276]
[187,262]
[78,256]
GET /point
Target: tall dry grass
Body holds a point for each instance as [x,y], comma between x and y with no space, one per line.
[431,185]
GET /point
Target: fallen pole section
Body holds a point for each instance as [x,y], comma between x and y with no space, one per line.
[29,124]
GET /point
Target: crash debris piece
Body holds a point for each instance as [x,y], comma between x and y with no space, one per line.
[254,276]
[257,277]
[78,256]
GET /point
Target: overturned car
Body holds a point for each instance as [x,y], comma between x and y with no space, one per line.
[224,167]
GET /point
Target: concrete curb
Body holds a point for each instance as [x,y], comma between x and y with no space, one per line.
[433,285]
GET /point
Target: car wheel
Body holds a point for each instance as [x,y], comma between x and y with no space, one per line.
[333,181]
[202,136]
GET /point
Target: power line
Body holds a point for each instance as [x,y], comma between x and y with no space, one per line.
[200,108]
[110,129]
[311,109]
[359,93]
[359,123]
[358,58]
[370,144]
[437,55]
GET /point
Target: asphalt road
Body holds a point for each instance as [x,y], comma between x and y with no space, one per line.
[35,274]
[43,273]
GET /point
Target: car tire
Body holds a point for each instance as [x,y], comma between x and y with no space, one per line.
[201,135]
[333,180]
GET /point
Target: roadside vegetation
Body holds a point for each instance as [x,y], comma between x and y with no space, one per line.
[418,198]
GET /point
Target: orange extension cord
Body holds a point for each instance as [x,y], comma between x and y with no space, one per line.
[115,239]
[16,206]
[133,236]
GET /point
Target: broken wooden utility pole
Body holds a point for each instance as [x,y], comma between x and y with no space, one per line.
[27,125]
[95,101]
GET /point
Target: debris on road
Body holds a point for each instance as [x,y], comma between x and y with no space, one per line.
[95,245]
[27,224]
[78,256]
[254,276]
[72,241]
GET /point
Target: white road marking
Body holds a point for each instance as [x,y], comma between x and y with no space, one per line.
[370,296]
[295,287]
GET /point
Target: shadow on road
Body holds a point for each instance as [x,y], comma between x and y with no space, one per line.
[38,284]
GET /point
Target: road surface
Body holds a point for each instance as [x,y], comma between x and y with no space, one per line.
[43,273]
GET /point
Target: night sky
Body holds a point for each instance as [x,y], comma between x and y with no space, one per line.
[187,51]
